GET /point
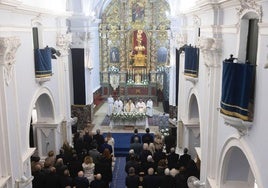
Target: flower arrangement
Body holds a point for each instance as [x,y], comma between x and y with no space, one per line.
[113,69]
[164,131]
[124,116]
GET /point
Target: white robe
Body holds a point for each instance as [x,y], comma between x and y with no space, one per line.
[129,107]
[110,102]
[149,108]
[120,106]
[141,107]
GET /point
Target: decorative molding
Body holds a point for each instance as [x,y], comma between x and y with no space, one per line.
[191,79]
[248,6]
[196,21]
[8,49]
[194,126]
[241,126]
[63,43]
[210,49]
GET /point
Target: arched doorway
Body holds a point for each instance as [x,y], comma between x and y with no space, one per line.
[236,170]
[43,134]
[192,128]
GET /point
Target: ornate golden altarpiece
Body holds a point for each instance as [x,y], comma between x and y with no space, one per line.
[134,46]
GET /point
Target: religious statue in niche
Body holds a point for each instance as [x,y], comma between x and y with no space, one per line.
[138,54]
[162,55]
[137,12]
[114,55]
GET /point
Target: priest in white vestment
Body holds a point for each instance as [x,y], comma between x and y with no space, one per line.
[149,108]
[110,102]
[141,106]
[129,106]
[118,106]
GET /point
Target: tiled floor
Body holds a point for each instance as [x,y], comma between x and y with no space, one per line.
[101,113]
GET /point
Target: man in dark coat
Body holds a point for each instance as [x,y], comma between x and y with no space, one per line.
[185,158]
[39,177]
[136,146]
[75,166]
[132,180]
[132,163]
[98,182]
[170,141]
[66,179]
[135,135]
[81,181]
[98,138]
[173,159]
[151,180]
[52,179]
[147,137]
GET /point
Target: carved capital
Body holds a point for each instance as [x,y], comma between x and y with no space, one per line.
[210,49]
[63,43]
[8,49]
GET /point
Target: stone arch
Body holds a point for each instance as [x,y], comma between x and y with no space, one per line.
[193,111]
[42,106]
[237,167]
[193,125]
[243,27]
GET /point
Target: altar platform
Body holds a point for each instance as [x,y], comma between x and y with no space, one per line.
[142,123]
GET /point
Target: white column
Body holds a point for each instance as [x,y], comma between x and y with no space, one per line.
[92,70]
[63,42]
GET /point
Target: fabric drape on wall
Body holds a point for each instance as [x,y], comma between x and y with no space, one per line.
[191,63]
[236,89]
[43,63]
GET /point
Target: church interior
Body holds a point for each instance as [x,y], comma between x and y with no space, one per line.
[201,63]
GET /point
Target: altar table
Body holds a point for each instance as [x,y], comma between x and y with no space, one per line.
[136,123]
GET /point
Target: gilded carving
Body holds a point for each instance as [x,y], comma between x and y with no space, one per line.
[119,21]
[8,49]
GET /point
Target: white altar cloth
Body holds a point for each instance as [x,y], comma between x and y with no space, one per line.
[136,123]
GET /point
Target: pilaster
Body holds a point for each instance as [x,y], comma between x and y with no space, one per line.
[210,50]
[10,129]
[63,42]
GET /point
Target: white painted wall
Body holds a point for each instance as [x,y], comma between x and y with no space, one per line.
[23,90]
[252,143]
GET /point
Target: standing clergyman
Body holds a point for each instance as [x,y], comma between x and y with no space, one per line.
[141,106]
[110,102]
[149,107]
